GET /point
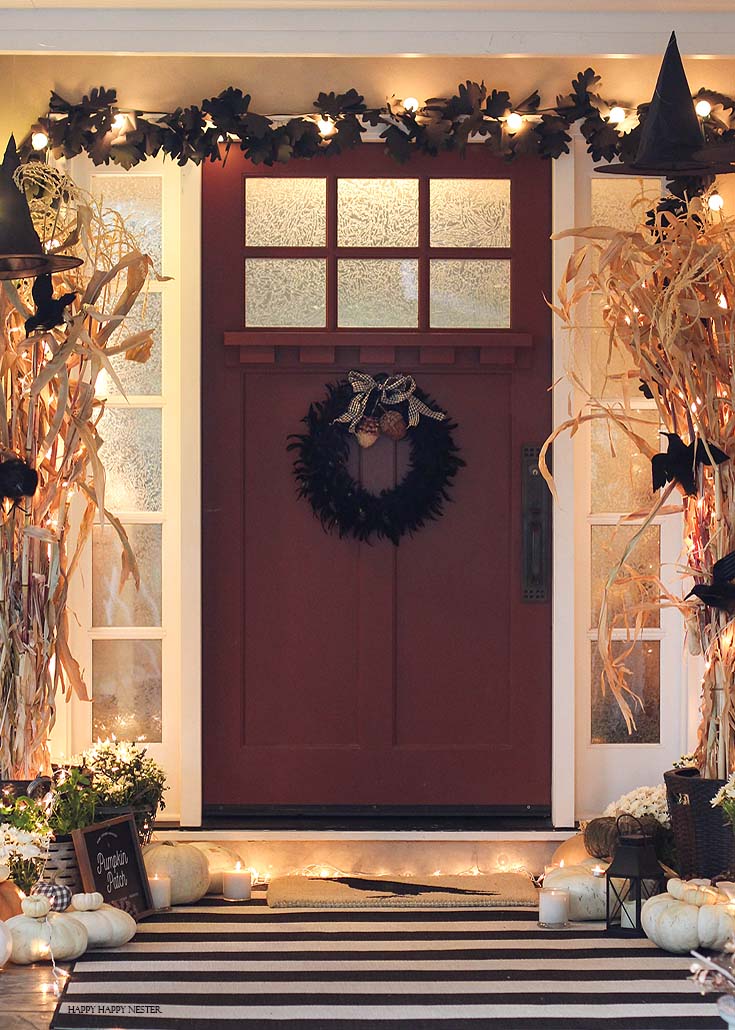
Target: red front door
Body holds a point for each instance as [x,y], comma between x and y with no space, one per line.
[346,674]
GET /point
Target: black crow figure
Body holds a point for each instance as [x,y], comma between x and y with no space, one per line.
[49,311]
[17,479]
[678,463]
[720,593]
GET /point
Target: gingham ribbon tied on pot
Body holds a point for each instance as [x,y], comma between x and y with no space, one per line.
[393,391]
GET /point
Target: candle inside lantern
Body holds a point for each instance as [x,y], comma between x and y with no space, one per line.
[627,916]
[236,883]
[553,907]
[160,890]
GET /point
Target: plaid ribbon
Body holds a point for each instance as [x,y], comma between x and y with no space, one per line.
[393,391]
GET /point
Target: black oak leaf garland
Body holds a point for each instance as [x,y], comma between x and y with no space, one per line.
[340,502]
[207,131]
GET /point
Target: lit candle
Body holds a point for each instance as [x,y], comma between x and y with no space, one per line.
[236,883]
[597,870]
[160,890]
[553,907]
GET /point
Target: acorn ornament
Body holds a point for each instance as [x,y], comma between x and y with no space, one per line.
[393,425]
[368,431]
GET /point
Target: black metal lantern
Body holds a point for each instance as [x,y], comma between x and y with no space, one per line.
[633,876]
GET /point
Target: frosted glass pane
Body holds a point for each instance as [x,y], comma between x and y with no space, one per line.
[132,456]
[137,378]
[378,292]
[285,292]
[608,725]
[621,473]
[470,294]
[378,213]
[138,199]
[470,212]
[285,212]
[608,544]
[126,689]
[132,607]
[614,201]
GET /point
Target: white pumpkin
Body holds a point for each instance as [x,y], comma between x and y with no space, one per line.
[106,926]
[678,926]
[87,902]
[6,944]
[693,893]
[587,893]
[184,864]
[219,859]
[36,938]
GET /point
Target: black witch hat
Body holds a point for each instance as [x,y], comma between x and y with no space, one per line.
[671,135]
[21,253]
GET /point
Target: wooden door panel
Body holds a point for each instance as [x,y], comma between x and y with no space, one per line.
[344,674]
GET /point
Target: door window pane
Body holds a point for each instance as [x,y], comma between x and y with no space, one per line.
[627,594]
[470,212]
[138,199]
[126,689]
[129,607]
[378,292]
[281,292]
[608,724]
[133,458]
[288,212]
[143,378]
[378,212]
[470,294]
[621,472]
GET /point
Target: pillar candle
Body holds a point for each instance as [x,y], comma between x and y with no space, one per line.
[553,907]
[236,883]
[160,890]
[627,916]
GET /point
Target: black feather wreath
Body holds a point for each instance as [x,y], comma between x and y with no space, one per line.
[341,503]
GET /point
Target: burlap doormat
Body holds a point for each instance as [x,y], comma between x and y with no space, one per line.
[498,890]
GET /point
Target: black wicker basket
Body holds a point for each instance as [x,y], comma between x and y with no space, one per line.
[705,843]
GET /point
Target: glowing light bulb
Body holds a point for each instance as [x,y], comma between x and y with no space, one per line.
[514,121]
[411,104]
[716,203]
[617,115]
[118,122]
[703,108]
[39,140]
[326,126]
[721,301]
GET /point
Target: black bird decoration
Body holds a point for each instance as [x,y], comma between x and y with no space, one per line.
[49,311]
[17,479]
[720,593]
[678,463]
[398,887]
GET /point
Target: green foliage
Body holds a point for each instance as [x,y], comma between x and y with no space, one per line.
[23,813]
[123,776]
[74,801]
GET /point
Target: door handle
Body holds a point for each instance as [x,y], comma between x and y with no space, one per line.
[535,529]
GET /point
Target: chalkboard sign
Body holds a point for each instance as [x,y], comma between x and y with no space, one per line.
[111,862]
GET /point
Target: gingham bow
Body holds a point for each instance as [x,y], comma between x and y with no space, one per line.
[393,390]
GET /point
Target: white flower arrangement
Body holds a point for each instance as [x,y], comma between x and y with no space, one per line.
[21,845]
[643,801]
[725,799]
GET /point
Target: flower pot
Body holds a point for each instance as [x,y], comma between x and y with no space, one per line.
[61,864]
[705,843]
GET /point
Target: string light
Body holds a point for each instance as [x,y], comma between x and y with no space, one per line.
[326,126]
[411,104]
[39,140]
[118,122]
[716,203]
[722,301]
[617,115]
[514,121]
[703,108]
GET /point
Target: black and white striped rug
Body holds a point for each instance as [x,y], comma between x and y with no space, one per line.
[225,965]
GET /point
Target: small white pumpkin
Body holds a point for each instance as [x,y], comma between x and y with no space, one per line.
[219,859]
[106,926]
[184,864]
[6,944]
[36,937]
[587,893]
[87,902]
[693,894]
[671,924]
